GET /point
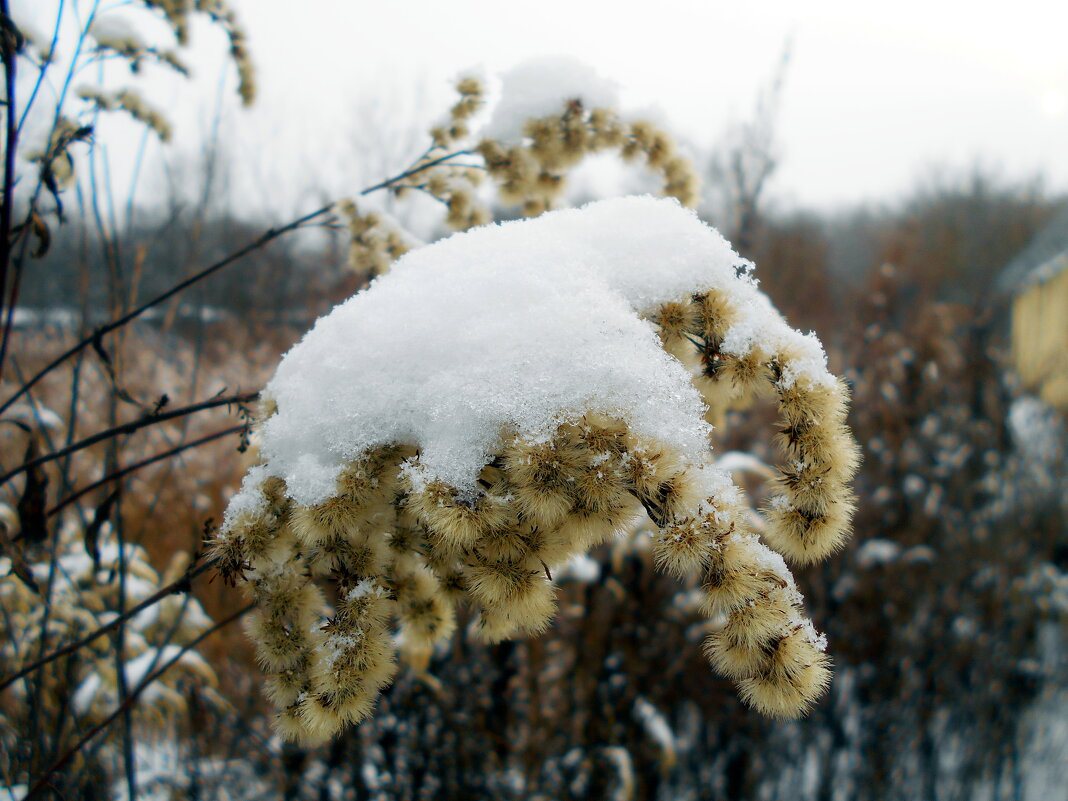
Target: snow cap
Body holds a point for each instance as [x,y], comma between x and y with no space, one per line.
[509,328]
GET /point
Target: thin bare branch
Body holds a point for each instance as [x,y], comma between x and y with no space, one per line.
[418,168]
[129,428]
[116,475]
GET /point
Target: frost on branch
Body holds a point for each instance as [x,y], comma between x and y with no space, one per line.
[504,400]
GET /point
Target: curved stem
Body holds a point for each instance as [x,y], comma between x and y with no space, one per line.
[114,476]
[128,428]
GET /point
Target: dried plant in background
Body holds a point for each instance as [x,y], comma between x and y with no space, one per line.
[550,116]
[89,582]
[94,636]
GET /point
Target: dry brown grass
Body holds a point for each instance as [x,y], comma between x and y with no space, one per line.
[165,505]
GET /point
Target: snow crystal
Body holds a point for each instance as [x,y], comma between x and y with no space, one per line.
[780,503]
[761,558]
[542,87]
[760,324]
[339,644]
[717,483]
[818,639]
[248,500]
[810,362]
[514,326]
[366,587]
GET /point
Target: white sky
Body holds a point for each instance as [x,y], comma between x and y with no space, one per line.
[875,94]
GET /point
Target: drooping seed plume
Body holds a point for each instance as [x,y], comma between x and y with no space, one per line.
[503,401]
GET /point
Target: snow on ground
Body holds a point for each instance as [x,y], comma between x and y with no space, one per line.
[165,771]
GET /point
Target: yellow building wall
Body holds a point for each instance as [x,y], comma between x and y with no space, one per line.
[1040,339]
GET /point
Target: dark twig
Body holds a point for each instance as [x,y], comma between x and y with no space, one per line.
[129,428]
[10,144]
[418,168]
[94,339]
[116,475]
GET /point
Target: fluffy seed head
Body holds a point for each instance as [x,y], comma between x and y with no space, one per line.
[805,537]
[798,675]
[519,592]
[541,475]
[455,523]
[683,548]
[739,573]
[334,518]
[400,548]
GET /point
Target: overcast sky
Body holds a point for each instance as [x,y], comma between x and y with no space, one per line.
[875,94]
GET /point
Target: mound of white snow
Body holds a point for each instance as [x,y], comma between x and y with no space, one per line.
[505,328]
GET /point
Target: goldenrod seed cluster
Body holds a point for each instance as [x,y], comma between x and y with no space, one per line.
[177,14]
[386,560]
[809,518]
[135,52]
[438,173]
[531,175]
[472,98]
[373,243]
[84,595]
[132,103]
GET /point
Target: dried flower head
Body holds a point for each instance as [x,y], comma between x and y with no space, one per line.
[528,171]
[497,450]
